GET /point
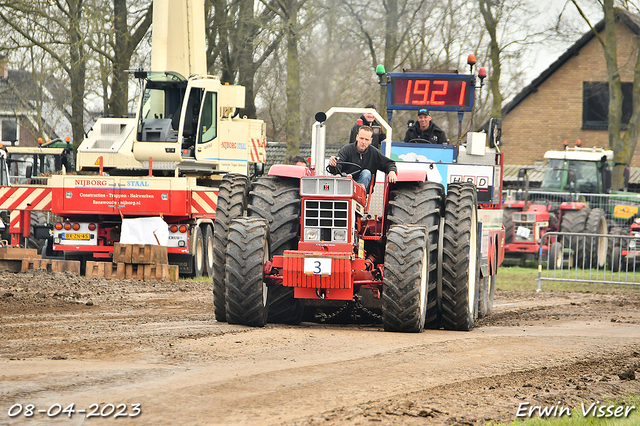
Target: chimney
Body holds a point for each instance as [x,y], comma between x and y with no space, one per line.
[4,66]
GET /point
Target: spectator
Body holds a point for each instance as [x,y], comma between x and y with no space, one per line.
[298,161]
[368,119]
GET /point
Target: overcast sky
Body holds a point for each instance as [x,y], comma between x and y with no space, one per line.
[546,53]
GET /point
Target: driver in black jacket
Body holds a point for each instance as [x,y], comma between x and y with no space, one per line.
[425,129]
[368,158]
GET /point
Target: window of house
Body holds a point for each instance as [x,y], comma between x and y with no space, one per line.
[595,105]
[9,130]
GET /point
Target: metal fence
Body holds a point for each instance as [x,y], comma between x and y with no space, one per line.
[620,209]
[589,258]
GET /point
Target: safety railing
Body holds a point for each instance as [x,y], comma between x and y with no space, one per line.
[589,258]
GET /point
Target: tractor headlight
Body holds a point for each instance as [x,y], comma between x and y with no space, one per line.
[340,235]
[632,244]
[312,234]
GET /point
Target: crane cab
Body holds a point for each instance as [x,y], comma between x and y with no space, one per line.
[184,123]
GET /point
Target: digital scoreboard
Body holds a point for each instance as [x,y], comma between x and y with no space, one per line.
[437,92]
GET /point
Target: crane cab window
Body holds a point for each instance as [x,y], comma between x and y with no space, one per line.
[161,107]
[208,129]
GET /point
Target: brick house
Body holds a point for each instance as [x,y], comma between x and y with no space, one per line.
[567,100]
[25,100]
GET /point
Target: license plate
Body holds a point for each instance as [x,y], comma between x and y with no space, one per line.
[74,236]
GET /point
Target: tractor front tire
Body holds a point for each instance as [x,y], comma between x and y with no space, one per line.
[406,277]
[277,200]
[460,269]
[232,203]
[416,203]
[245,290]
[283,307]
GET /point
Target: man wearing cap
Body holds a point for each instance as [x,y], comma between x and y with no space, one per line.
[425,129]
[368,119]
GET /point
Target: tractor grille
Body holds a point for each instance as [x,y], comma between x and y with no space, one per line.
[326,220]
[523,232]
[524,217]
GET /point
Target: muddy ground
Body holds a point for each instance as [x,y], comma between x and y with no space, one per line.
[67,339]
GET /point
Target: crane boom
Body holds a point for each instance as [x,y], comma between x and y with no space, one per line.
[178,37]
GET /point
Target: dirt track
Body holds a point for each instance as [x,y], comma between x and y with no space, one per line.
[67,339]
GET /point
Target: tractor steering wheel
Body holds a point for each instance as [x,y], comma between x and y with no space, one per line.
[419,140]
[339,165]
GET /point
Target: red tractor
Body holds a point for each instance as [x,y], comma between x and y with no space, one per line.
[527,221]
[422,260]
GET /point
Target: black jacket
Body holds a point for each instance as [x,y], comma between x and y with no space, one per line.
[433,133]
[371,159]
[378,134]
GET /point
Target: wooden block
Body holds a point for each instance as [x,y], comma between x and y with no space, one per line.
[72,266]
[52,265]
[134,272]
[18,253]
[174,272]
[10,265]
[95,269]
[28,264]
[147,254]
[156,272]
[114,270]
[122,253]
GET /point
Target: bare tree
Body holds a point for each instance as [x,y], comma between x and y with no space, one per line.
[239,36]
[395,18]
[56,28]
[624,143]
[511,34]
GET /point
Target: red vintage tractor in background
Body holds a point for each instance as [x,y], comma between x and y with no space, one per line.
[555,207]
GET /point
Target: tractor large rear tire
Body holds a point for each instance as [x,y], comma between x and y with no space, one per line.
[460,269]
[277,200]
[507,221]
[406,277]
[596,247]
[232,203]
[245,289]
[574,221]
[417,203]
